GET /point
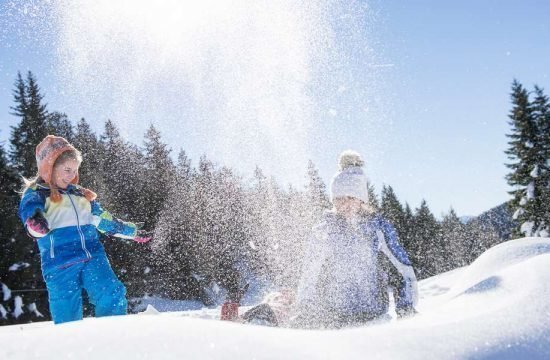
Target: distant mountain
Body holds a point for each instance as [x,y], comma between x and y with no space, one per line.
[499,219]
[466,219]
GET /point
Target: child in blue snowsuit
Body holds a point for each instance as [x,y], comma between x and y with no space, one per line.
[65,219]
[342,282]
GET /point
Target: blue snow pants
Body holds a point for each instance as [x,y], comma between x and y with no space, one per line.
[105,291]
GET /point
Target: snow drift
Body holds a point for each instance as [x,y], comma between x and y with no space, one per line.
[496,308]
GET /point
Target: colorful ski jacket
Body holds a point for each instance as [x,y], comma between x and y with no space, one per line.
[341,269]
[73,222]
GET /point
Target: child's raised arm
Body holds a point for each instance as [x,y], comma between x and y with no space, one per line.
[31,210]
[111,226]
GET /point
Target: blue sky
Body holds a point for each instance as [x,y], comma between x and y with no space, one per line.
[420,88]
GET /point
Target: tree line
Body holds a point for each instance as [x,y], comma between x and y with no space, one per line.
[212,227]
[529,155]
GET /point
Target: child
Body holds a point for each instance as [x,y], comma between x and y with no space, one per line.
[65,219]
[341,283]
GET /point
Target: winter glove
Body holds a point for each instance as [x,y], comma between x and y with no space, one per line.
[405,311]
[142,236]
[37,225]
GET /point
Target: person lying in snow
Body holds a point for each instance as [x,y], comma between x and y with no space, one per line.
[342,282]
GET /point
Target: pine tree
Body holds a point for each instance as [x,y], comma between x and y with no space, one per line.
[316,192]
[121,174]
[425,242]
[8,210]
[32,127]
[173,235]
[85,140]
[373,204]
[159,169]
[455,245]
[541,174]
[392,210]
[58,124]
[406,238]
[479,238]
[525,151]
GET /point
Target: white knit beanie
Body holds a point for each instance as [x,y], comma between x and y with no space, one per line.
[350,180]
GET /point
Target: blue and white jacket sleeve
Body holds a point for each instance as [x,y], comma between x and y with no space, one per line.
[32,202]
[408,291]
[111,226]
[314,258]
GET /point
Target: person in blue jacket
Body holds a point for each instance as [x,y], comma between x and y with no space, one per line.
[66,220]
[343,282]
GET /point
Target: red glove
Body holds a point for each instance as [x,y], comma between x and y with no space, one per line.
[37,225]
[142,237]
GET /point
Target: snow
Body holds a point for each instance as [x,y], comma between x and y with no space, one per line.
[495,308]
[535,172]
[18,266]
[6,291]
[18,303]
[527,228]
[518,213]
[33,309]
[531,191]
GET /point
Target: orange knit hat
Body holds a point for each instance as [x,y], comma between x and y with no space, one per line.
[47,153]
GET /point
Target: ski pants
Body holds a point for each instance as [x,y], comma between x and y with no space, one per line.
[105,291]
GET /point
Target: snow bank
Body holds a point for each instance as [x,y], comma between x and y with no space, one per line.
[496,308]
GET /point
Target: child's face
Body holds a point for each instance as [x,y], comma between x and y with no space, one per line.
[347,206]
[64,173]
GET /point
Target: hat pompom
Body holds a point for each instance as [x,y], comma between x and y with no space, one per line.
[350,158]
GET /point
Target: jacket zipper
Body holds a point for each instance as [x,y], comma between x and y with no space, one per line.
[82,242]
[52,254]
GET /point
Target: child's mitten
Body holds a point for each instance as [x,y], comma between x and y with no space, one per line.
[37,225]
[142,237]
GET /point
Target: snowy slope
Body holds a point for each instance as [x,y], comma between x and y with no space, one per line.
[496,308]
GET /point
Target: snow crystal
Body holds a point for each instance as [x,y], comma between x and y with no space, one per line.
[147,270]
[517,213]
[33,309]
[19,265]
[6,291]
[216,288]
[535,172]
[527,228]
[252,245]
[531,190]
[150,311]
[18,302]
[523,201]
